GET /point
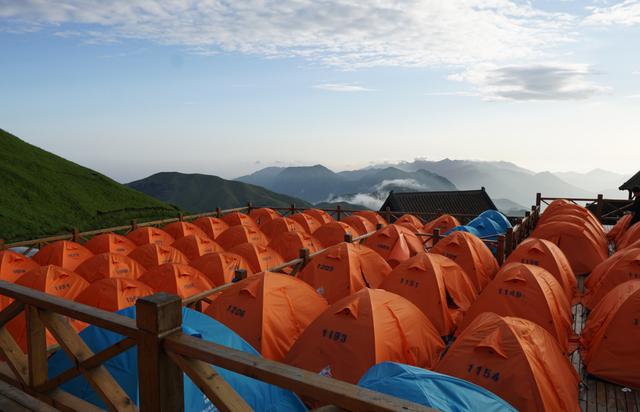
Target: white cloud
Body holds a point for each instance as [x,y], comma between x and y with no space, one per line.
[341,87]
[343,33]
[636,72]
[531,82]
[623,13]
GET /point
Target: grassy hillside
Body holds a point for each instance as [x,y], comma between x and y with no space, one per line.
[200,193]
[42,194]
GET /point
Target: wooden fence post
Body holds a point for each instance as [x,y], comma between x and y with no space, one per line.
[304,255]
[75,234]
[338,212]
[218,213]
[160,382]
[509,245]
[36,347]
[134,224]
[292,209]
[599,206]
[239,274]
[436,236]
[348,237]
[538,199]
[180,217]
[249,207]
[387,214]
[1,244]
[500,249]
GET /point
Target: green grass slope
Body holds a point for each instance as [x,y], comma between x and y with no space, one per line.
[201,193]
[44,194]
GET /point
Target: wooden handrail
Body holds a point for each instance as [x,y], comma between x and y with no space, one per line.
[342,394]
[107,320]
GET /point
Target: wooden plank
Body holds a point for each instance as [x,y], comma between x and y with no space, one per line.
[100,379]
[621,401]
[57,398]
[16,359]
[592,403]
[10,312]
[219,392]
[610,391]
[36,347]
[92,362]
[107,320]
[332,391]
[160,380]
[23,400]
[630,400]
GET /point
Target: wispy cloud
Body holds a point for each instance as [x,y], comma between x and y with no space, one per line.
[626,13]
[343,33]
[636,72]
[458,94]
[532,82]
[342,87]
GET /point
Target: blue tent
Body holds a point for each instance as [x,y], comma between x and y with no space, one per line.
[466,228]
[435,390]
[259,395]
[498,218]
[486,228]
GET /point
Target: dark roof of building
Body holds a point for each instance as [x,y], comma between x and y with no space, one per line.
[455,202]
[631,183]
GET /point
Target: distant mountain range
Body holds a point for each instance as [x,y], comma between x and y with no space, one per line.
[317,183]
[203,193]
[597,181]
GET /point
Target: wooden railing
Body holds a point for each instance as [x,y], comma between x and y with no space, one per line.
[164,353]
[608,211]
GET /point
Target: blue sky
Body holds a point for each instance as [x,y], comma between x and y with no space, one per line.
[220,87]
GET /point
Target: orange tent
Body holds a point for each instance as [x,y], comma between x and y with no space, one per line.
[539,252]
[288,244]
[181,280]
[320,215]
[182,229]
[436,285]
[517,360]
[113,294]
[220,268]
[621,226]
[410,222]
[582,250]
[237,218]
[372,217]
[194,246]
[212,226]
[260,258]
[152,255]
[309,223]
[596,232]
[268,310]
[444,223]
[279,225]
[64,253]
[53,280]
[333,233]
[629,237]
[110,243]
[564,207]
[362,330]
[263,215]
[619,268]
[239,234]
[360,224]
[150,235]
[611,336]
[527,292]
[110,265]
[395,243]
[468,251]
[12,266]
[344,269]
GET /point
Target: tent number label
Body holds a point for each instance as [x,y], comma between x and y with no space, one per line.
[409,282]
[334,335]
[62,286]
[510,292]
[328,268]
[234,310]
[531,262]
[483,372]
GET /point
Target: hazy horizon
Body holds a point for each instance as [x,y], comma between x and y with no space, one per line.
[134,88]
